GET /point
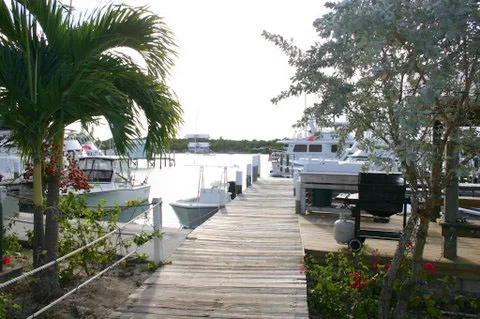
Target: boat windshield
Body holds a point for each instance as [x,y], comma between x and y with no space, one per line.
[98,170]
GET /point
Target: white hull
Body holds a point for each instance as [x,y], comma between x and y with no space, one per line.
[117,196]
[191,213]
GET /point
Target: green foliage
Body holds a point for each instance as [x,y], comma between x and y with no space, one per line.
[153,266]
[227,146]
[396,79]
[143,237]
[8,308]
[404,75]
[29,234]
[11,245]
[79,226]
[346,286]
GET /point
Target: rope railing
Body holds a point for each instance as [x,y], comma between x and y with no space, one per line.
[86,282]
[56,261]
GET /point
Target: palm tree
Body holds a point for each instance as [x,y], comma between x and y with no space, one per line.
[55,72]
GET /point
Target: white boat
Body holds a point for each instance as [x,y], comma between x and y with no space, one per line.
[195,211]
[11,164]
[110,180]
[310,150]
[320,154]
[199,145]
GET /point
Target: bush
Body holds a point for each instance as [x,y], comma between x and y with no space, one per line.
[345,286]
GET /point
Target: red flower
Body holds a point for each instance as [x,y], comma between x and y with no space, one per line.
[6,260]
[430,268]
[376,263]
[357,281]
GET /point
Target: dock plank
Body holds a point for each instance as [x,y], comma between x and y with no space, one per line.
[241,263]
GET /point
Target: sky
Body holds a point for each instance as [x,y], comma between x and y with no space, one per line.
[225,72]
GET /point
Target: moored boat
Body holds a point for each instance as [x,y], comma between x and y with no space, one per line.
[195,211]
[110,179]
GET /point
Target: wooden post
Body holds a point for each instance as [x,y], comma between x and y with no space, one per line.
[238,182]
[157,226]
[258,162]
[449,246]
[296,177]
[249,175]
[298,208]
[254,174]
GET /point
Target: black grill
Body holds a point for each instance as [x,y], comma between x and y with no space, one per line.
[381,195]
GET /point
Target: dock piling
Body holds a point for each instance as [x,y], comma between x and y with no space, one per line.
[157,227]
[239,182]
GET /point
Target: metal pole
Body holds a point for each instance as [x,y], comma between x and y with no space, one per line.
[157,227]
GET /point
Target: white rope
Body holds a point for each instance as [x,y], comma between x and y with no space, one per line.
[80,286]
[53,262]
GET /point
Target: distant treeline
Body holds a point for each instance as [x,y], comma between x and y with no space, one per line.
[228,146]
[218,146]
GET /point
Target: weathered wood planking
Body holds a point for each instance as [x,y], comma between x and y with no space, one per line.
[242,263]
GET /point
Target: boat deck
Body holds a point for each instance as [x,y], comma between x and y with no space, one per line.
[242,263]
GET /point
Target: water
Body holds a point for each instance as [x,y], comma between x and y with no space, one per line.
[181,181]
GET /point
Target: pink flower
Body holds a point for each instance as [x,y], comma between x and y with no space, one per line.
[430,268]
[6,260]
[302,269]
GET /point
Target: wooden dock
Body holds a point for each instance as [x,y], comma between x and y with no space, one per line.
[318,239]
[244,262]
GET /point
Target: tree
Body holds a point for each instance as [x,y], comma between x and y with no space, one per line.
[406,71]
[56,71]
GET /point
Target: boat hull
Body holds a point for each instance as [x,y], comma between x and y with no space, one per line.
[120,197]
[191,213]
[117,196]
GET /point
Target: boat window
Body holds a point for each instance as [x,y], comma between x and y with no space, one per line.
[95,163]
[334,148]
[315,148]
[300,148]
[98,176]
[103,164]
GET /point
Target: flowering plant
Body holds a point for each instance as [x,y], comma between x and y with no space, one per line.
[349,285]
[6,260]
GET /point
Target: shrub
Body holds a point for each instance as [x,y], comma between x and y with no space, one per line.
[346,286]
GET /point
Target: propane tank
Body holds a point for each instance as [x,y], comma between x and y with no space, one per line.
[343,230]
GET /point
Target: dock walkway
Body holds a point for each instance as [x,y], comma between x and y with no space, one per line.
[242,263]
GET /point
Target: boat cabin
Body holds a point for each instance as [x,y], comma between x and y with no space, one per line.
[104,169]
[325,147]
[199,147]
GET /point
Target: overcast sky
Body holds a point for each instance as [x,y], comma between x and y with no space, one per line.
[226,72]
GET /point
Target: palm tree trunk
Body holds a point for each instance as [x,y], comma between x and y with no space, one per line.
[38,224]
[51,223]
[39,291]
